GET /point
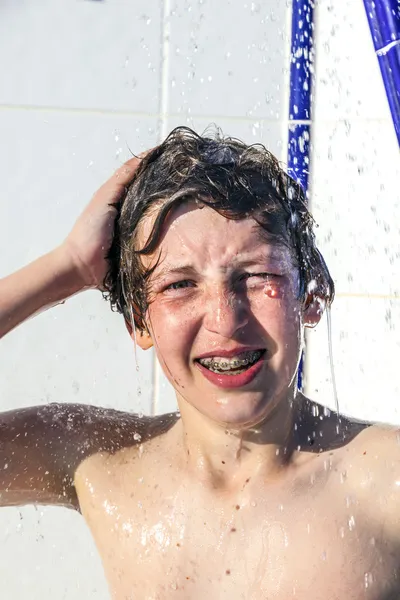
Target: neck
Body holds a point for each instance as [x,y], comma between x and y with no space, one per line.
[224,457]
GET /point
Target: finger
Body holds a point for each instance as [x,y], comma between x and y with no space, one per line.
[124,174]
[112,190]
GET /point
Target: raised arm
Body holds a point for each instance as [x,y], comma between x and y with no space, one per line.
[78,263]
[41,447]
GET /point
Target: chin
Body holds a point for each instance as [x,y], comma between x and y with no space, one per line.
[241,413]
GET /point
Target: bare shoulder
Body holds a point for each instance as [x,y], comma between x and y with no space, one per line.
[376,443]
[372,464]
[43,447]
[127,444]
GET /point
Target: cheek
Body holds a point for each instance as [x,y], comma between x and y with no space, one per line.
[279,299]
[170,328]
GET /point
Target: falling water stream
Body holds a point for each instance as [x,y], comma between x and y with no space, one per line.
[335,394]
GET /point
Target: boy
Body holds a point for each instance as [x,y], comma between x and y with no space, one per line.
[252,490]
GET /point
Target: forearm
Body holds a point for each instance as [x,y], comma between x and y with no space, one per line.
[47,281]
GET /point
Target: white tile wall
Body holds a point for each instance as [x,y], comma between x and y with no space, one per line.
[348,81]
[366,349]
[356,201]
[228,59]
[81,54]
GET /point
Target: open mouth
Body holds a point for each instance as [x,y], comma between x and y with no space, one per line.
[232,366]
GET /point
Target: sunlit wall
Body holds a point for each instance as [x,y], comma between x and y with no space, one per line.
[85,82]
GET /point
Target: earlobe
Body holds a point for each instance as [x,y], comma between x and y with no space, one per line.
[142,338]
[314,307]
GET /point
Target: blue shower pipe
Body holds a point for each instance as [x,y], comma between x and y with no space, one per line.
[300,99]
[301,69]
[384,22]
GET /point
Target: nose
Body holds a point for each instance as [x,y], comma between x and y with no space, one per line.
[225,313]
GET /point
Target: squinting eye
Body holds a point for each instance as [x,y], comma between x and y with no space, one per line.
[269,282]
[178,285]
[263,276]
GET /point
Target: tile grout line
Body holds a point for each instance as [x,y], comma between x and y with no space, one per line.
[160,115]
[360,295]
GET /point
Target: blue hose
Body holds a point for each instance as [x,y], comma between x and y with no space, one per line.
[384,22]
[301,69]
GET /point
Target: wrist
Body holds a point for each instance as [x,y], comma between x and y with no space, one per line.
[68,271]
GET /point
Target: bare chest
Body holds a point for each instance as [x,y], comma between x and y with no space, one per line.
[180,546]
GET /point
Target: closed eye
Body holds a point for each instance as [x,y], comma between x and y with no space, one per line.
[263,275]
[255,281]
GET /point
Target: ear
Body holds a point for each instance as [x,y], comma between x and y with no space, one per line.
[314,307]
[143,338]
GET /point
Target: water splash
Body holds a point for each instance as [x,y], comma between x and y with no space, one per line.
[335,394]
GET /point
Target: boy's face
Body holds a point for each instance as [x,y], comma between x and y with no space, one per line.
[219,289]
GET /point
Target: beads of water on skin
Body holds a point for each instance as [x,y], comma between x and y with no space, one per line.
[271,291]
[368,580]
[351,523]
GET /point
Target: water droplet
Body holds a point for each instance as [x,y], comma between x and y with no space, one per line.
[368,580]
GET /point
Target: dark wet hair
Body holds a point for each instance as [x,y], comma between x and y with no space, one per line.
[231,177]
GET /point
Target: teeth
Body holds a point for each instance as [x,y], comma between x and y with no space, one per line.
[224,364]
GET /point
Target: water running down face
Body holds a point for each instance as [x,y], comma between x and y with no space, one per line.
[225,315]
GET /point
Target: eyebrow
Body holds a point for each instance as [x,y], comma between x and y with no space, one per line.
[188,269]
[182,269]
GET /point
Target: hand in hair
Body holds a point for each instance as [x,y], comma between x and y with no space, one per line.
[89,242]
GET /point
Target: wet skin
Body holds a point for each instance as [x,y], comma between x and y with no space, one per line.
[252,492]
[324,525]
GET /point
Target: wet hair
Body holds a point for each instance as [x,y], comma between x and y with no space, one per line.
[233,178]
